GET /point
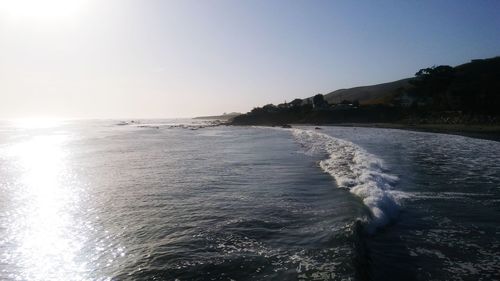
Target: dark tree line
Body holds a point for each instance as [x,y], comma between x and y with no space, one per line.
[316,110]
[473,88]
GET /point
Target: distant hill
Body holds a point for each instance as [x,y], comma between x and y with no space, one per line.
[374,94]
[465,94]
[481,76]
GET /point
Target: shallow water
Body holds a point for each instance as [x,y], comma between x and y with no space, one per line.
[89,200]
[448,191]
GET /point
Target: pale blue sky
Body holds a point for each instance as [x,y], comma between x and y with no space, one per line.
[124,58]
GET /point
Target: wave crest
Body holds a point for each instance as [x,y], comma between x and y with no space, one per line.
[356,170]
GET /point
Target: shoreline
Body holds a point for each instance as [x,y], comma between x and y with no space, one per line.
[487,132]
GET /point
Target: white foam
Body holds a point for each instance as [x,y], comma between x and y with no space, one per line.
[356,170]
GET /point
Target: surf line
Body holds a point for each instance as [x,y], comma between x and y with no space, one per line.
[356,170]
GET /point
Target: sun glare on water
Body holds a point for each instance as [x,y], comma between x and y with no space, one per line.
[41,230]
[41,10]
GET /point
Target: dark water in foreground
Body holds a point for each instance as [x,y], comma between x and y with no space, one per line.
[96,201]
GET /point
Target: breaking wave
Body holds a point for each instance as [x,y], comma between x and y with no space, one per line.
[355,169]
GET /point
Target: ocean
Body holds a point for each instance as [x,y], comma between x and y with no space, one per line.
[176,200]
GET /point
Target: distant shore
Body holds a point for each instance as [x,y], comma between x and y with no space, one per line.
[223,117]
[488,132]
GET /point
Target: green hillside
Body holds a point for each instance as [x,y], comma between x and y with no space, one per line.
[369,94]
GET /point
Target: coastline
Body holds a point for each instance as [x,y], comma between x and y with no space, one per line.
[487,132]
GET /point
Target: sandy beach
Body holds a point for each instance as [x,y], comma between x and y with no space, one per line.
[489,132]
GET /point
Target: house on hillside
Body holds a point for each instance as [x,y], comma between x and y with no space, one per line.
[406,100]
[284,105]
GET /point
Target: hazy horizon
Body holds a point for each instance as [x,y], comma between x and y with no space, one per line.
[170,59]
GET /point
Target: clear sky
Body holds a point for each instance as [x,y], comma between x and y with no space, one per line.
[147,58]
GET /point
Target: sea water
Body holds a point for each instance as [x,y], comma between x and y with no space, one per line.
[174,199]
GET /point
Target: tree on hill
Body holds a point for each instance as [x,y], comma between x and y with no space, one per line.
[433,83]
[296,103]
[436,71]
[319,101]
[270,108]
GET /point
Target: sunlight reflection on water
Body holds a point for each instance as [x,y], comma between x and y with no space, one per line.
[43,231]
